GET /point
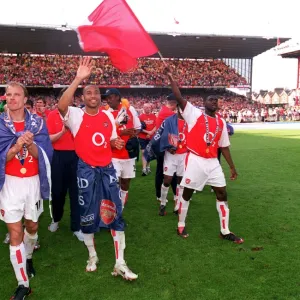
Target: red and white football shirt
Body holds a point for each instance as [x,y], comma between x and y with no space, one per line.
[92,135]
[196,140]
[133,122]
[164,113]
[14,166]
[182,134]
[55,125]
[46,113]
[150,121]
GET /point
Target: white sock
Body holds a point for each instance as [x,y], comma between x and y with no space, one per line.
[29,243]
[223,210]
[119,244]
[182,213]
[179,192]
[18,261]
[164,193]
[90,244]
[124,197]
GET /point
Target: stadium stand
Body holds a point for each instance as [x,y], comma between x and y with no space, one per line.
[48,70]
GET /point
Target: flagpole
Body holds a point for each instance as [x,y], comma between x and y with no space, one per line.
[163,59]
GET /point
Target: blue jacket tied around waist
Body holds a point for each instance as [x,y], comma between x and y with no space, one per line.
[165,138]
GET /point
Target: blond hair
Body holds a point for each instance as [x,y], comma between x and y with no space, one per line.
[14,83]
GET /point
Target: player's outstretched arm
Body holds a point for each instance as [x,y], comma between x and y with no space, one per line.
[227,155]
[84,71]
[175,89]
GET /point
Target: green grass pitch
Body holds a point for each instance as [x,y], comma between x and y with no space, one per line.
[265,211]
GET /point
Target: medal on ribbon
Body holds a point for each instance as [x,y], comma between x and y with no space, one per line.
[181,134]
[21,158]
[207,140]
[23,171]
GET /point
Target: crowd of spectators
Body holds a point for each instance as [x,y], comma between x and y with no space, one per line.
[236,109]
[266,114]
[48,70]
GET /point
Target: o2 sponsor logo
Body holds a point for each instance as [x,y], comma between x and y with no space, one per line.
[30,157]
[98,140]
[181,136]
[211,135]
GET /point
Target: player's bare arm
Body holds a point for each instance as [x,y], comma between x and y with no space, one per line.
[84,71]
[150,132]
[128,131]
[227,155]
[153,130]
[31,147]
[175,89]
[117,143]
[57,136]
[15,149]
[33,150]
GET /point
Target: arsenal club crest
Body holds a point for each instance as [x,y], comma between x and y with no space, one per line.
[166,169]
[2,212]
[108,211]
[105,124]
[187,181]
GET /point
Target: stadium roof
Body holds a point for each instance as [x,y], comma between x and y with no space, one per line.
[295,54]
[41,40]
[289,50]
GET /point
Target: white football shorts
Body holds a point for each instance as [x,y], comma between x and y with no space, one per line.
[20,197]
[201,171]
[174,163]
[125,168]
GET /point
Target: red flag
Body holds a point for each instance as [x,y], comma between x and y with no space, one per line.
[118,32]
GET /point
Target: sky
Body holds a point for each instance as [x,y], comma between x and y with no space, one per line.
[232,17]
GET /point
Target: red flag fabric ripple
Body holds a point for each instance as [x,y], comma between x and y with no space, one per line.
[118,32]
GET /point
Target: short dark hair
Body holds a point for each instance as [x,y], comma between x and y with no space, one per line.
[41,98]
[84,89]
[212,97]
[14,83]
[29,102]
[61,92]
